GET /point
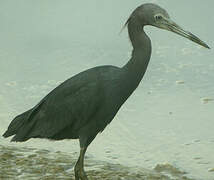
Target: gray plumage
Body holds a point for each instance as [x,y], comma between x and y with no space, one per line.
[85,104]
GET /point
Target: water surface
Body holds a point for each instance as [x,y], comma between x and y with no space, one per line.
[168,119]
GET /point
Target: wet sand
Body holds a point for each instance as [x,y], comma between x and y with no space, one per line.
[30,163]
[167,121]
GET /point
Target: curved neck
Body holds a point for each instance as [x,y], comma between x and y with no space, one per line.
[141,53]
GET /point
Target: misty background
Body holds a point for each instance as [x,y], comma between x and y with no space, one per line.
[169,118]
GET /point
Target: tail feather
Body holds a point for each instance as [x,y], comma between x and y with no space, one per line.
[22,124]
[16,124]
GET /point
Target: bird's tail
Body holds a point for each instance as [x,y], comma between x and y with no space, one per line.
[16,124]
[22,124]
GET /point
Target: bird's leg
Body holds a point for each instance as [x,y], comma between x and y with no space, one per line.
[79,167]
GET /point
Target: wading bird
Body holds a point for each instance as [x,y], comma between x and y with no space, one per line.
[85,104]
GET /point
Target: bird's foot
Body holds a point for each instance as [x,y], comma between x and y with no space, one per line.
[80,174]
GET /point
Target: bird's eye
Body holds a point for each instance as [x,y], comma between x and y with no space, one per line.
[158,17]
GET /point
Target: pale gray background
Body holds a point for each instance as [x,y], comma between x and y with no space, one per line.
[42,43]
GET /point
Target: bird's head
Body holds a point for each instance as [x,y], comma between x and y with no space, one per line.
[154,15]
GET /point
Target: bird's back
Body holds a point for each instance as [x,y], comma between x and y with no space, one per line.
[70,107]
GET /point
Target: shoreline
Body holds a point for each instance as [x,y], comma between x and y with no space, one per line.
[31,163]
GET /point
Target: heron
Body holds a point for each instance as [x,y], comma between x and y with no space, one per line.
[86,103]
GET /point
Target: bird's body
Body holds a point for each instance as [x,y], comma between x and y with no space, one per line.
[80,107]
[76,108]
[85,104]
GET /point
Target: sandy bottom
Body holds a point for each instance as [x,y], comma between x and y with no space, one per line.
[30,164]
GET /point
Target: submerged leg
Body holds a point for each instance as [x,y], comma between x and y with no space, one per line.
[79,167]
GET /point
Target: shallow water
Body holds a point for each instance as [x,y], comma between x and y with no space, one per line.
[30,164]
[168,119]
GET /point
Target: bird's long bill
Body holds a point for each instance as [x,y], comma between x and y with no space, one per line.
[172,26]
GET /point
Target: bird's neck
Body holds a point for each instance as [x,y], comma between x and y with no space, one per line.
[141,53]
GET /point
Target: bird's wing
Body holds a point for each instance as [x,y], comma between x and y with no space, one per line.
[72,104]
